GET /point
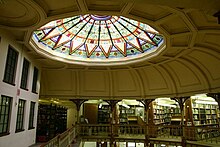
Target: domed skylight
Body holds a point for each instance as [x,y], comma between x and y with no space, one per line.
[97,39]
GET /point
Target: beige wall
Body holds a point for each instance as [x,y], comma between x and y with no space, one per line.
[26,137]
[71,116]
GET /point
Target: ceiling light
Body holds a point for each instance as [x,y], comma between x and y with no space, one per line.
[168,105]
[100,105]
[206,102]
[125,105]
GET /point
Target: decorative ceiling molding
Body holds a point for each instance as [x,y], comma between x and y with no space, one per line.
[190,29]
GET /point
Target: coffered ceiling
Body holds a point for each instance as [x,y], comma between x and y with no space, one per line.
[190,63]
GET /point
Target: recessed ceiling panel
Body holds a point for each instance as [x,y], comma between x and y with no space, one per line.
[150,12]
[176,25]
[105,5]
[18,14]
[56,7]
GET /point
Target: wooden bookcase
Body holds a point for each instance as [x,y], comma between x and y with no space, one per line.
[218,116]
[123,117]
[96,114]
[104,114]
[130,115]
[160,114]
[199,115]
[52,120]
[204,114]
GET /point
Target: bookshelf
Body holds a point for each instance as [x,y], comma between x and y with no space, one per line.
[158,114]
[171,113]
[164,114]
[51,121]
[204,114]
[104,114]
[218,116]
[130,114]
[123,117]
[61,119]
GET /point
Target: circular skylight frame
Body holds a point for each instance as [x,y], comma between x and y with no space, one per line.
[118,40]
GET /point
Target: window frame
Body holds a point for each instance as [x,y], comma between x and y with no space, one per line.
[20,116]
[35,78]
[31,115]
[6,116]
[25,74]
[11,66]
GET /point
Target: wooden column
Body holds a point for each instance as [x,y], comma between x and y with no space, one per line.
[113,121]
[78,103]
[112,104]
[181,101]
[147,108]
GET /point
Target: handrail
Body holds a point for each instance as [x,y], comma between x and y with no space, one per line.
[62,140]
[208,134]
[193,134]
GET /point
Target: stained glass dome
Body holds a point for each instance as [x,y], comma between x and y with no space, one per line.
[96,38]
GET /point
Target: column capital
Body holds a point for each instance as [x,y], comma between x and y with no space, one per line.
[215,96]
[146,102]
[112,103]
[181,100]
[78,102]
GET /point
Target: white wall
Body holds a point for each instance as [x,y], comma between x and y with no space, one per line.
[26,137]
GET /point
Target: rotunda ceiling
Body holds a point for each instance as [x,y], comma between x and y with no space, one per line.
[189,63]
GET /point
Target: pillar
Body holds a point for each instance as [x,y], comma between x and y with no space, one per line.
[181,101]
[113,128]
[146,103]
[78,103]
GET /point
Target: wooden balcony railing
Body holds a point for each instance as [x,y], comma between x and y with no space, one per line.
[192,135]
[62,140]
[93,129]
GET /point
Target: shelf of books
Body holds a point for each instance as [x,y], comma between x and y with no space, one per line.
[163,113]
[159,114]
[52,120]
[123,117]
[204,113]
[127,114]
[104,114]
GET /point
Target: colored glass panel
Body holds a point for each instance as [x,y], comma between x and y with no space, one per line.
[98,37]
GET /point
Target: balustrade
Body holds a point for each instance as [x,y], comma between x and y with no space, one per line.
[209,134]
